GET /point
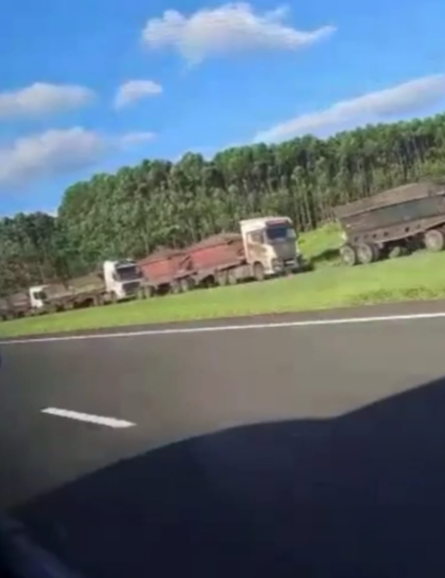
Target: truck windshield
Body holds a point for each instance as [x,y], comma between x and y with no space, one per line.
[127,273]
[280,232]
[40,295]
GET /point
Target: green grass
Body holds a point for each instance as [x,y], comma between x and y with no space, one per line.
[420,276]
[321,246]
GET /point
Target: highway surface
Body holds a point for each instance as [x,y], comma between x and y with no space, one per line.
[352,484]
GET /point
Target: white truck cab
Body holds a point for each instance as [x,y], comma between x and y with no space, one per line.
[122,279]
[270,244]
[37,296]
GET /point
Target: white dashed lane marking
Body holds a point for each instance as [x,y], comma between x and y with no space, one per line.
[89,418]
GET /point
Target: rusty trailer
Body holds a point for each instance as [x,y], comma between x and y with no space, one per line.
[393,223]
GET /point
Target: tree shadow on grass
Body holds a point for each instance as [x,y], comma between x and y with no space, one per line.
[362,495]
[328,256]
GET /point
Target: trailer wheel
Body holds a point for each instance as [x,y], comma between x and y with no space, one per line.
[258,272]
[231,277]
[434,240]
[222,278]
[397,251]
[146,292]
[186,284]
[348,255]
[175,287]
[367,253]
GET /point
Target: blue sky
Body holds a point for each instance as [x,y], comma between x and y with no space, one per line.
[208,75]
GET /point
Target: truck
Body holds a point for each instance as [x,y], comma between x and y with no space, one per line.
[115,281]
[265,247]
[393,223]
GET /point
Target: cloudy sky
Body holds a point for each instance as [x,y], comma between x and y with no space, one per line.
[92,85]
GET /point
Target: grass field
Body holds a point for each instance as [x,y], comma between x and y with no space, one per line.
[419,276]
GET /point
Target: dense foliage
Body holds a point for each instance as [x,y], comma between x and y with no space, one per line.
[160,203]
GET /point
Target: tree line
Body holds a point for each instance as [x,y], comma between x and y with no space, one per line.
[160,203]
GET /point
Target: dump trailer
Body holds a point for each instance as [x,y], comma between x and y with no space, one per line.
[165,271]
[15,306]
[265,247]
[393,223]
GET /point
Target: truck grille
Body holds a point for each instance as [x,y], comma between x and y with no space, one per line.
[131,287]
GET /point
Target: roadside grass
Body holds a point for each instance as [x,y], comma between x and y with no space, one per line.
[321,246]
[419,276]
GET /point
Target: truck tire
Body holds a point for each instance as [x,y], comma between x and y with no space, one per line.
[348,255]
[434,240]
[222,278]
[231,277]
[186,284]
[175,287]
[146,292]
[367,253]
[397,251]
[258,272]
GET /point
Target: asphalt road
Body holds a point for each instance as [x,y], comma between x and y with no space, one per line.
[351,484]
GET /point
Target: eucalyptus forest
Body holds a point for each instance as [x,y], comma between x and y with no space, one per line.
[160,203]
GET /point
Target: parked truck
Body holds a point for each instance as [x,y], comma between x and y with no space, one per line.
[265,247]
[116,281]
[393,223]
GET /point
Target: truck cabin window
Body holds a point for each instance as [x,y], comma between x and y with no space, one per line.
[126,273]
[256,237]
[280,232]
[40,295]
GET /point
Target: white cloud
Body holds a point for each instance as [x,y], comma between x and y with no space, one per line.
[232,27]
[57,152]
[134,90]
[48,154]
[408,98]
[42,99]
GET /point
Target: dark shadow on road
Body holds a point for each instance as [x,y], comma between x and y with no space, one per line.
[359,496]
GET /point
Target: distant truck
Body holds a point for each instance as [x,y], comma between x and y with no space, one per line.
[116,281]
[393,223]
[266,247]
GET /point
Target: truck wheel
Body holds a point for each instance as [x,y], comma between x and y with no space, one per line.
[222,278]
[185,285]
[397,251]
[231,277]
[434,240]
[258,272]
[348,255]
[367,253]
[175,287]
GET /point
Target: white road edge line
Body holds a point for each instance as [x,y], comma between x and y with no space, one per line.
[90,418]
[220,328]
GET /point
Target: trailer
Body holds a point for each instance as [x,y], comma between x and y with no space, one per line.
[165,271]
[393,223]
[265,247]
[114,282]
[14,306]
